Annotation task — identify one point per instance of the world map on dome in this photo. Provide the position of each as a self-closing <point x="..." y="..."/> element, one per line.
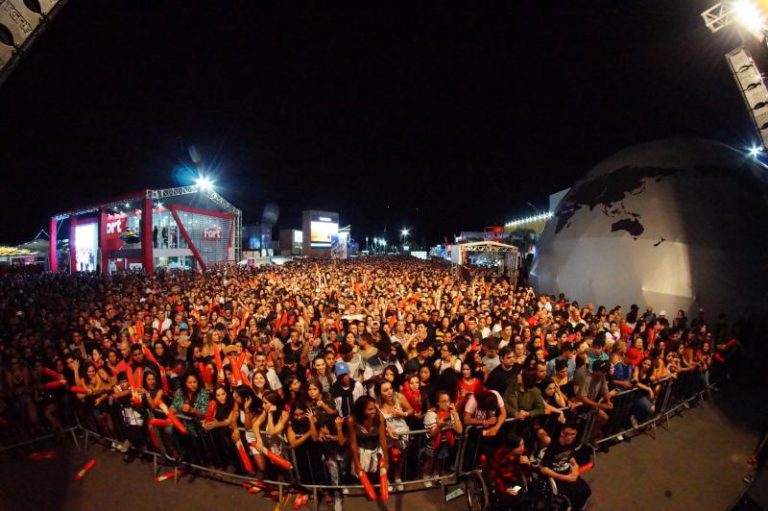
<point x="608" y="192"/>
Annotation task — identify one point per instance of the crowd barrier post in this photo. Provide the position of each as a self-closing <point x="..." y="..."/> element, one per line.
<point x="619" y="419"/>
<point x="584" y="425"/>
<point x="662" y="404"/>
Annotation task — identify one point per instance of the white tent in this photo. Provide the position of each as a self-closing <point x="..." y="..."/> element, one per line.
<point x="510" y="253"/>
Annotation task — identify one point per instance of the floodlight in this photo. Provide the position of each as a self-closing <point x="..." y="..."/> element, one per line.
<point x="749" y="15"/>
<point x="204" y="183"/>
<point x="755" y="151"/>
<point x="405" y="231"/>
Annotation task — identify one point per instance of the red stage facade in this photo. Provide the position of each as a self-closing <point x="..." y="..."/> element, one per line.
<point x="184" y="227"/>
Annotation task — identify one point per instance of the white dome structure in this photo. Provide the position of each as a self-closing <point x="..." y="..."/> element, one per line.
<point x="676" y="224"/>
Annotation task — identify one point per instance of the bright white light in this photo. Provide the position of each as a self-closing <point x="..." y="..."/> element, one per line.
<point x="755" y="151"/>
<point x="749" y="15"/>
<point x="405" y="232"/>
<point x="204" y="183"/>
<point x="384" y="242"/>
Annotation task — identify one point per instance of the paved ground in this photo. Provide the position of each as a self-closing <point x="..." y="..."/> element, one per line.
<point x="697" y="465"/>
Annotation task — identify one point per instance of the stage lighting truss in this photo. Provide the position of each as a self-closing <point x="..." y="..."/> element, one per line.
<point x="752" y="16"/>
<point x="21" y="23"/>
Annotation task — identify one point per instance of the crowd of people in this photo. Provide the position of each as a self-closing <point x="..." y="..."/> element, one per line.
<point x="345" y="370"/>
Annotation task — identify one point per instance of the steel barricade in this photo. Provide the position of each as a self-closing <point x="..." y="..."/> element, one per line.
<point x="585" y="423"/>
<point x="663" y="399"/>
<point x="471" y="477"/>
<point x="619" y="418"/>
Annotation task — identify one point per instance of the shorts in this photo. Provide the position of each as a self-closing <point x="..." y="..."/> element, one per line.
<point x="442" y="451"/>
<point x="369" y="459"/>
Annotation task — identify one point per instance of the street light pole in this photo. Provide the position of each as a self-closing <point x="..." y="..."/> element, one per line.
<point x="403" y="238"/>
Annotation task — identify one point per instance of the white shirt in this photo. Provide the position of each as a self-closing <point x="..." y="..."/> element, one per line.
<point x="471" y="406"/>
<point x="165" y="325"/>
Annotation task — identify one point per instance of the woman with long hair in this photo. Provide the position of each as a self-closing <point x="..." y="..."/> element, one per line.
<point x="417" y="401"/>
<point x="426" y="385"/>
<point x="99" y="384"/>
<point x="303" y="438"/>
<point x="448" y="359"/>
<point x="268" y="427"/>
<point x="191" y="400"/>
<point x="391" y="374"/>
<point x="161" y="353"/>
<point x="295" y="391"/>
<point x="260" y="383"/>
<point x="322" y="373"/>
<point x="319" y="401"/>
<point x="395" y="409"/>
<point x="218" y="426"/>
<point x="468" y="384"/>
<point x="367" y="438"/>
<point x="642" y="378"/>
<point x="703" y="358"/>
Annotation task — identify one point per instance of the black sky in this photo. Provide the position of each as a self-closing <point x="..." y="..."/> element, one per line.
<point x="441" y="118"/>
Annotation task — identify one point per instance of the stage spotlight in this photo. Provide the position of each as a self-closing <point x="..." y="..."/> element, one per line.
<point x="749" y="15"/>
<point x="204" y="183"/>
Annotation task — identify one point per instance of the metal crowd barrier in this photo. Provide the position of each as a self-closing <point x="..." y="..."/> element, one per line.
<point x="665" y="405"/>
<point x="464" y="466"/>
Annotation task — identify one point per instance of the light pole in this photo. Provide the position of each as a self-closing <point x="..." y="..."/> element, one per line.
<point x="403" y="238"/>
<point x="535" y="209"/>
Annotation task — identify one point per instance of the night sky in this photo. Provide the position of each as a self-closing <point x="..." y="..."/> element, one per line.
<point x="437" y="118"/>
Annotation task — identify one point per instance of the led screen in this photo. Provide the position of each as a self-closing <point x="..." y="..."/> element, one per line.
<point x="321" y="233"/>
<point x="86" y="246"/>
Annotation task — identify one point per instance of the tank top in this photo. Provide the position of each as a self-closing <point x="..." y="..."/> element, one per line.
<point x="367" y="439"/>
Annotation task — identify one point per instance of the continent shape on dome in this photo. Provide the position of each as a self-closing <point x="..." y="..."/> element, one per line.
<point x="676" y="224"/>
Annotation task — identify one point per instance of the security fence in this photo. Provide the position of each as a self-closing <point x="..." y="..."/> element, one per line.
<point x="324" y="469"/>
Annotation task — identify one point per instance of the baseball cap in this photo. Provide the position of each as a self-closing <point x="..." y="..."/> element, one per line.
<point x="601" y="365"/>
<point x="341" y="368"/>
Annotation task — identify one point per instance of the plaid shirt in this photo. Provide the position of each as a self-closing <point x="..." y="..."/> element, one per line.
<point x="505" y="471"/>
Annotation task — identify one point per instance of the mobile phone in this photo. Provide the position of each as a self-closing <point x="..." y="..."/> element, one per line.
<point x="516" y="489"/>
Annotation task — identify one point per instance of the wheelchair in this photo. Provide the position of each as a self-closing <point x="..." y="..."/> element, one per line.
<point x="539" y="493"/>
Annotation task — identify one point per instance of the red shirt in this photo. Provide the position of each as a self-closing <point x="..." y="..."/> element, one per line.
<point x="504" y="471"/>
<point x="634" y="356"/>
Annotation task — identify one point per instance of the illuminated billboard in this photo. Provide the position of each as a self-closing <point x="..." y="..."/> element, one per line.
<point x="322" y="230"/>
<point x="86" y="246"/>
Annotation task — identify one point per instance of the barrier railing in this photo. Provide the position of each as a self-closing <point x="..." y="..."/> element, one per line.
<point x="663" y="406"/>
<point x="208" y="454"/>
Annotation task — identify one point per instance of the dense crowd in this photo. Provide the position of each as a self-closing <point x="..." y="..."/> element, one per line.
<point x="343" y="369"/>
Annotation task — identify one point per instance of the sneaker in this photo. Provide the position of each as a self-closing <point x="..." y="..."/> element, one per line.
<point x="428" y="484"/>
<point x="337" y="506"/>
<point x="633" y="420"/>
<point x="399" y="484"/>
<point x="345" y="491"/>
